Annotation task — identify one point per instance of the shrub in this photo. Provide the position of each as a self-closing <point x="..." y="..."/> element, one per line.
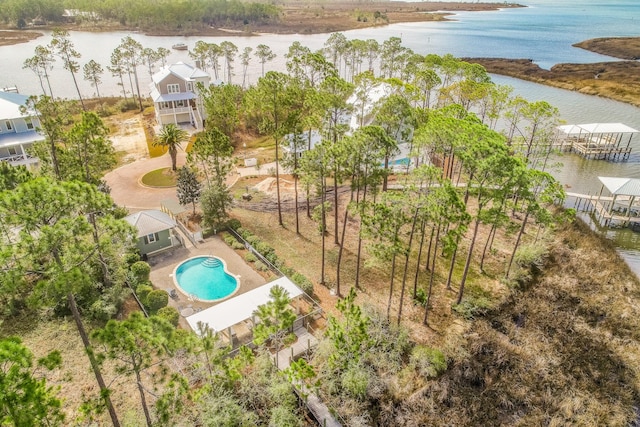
<point x="237" y="245"/>
<point x="250" y="257"/>
<point x="229" y="240"/>
<point x="143" y="291"/>
<point x="170" y="314"/>
<point x="234" y="224"/>
<point x="102" y="310"/>
<point x="253" y="240"/>
<point x="260" y="266"/>
<point x="302" y="282"/>
<point x="141" y="271"/>
<point x="156" y="300"/>
<point x="131" y="258"/>
<point x="531" y="255"/>
<point x="429" y="362"/>
<point x="355" y="382"/>
<point x="473" y="306"/>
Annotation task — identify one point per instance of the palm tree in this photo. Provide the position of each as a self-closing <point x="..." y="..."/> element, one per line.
<point x="171" y="136"/>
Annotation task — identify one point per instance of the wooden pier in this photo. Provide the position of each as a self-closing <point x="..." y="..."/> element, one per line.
<point x="604" y="213"/>
<point x="305" y="342"/>
<point x="598" y="141"/>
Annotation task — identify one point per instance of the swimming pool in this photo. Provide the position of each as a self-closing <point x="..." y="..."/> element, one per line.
<point x="205" y="278"/>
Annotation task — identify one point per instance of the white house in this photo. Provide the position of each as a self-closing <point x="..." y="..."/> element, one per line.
<point x="362" y="111"/>
<point x="18" y="131"/>
<point x="175" y="94"/>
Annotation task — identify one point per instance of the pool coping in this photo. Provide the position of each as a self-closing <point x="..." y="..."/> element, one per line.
<point x="195" y="298"/>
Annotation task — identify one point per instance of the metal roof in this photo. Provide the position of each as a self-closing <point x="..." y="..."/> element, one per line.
<point x="180" y="69"/>
<point x="150" y="221"/>
<point x="621" y="186"/>
<point x="590" y="128"/>
<point x="10" y="104"/>
<point x="169" y="97"/>
<point x="240" y="308"/>
<point x="11" y="139"/>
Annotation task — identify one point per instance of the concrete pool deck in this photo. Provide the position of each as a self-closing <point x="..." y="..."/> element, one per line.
<point x="163" y="265"/>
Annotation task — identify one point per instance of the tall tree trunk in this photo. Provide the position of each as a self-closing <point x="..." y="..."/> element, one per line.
<point x="340" y="250"/>
<point x="406" y="264"/>
<point x="515" y="248"/>
<point x="323" y="228"/>
<point x="393" y="273"/>
<point x="453" y="263"/>
<point x="295" y="189"/>
<point x="135" y="75"/>
<point x="431" y="279"/>
<point x="278" y="186"/>
<point x="415" y="279"/>
<point x="75" y="82"/>
<point x="335" y="207"/>
<point x="469" y="255"/>
<point x="359" y="255"/>
<point x="104" y="391"/>
<point x="143" y="399"/>
<point x="486" y="246"/>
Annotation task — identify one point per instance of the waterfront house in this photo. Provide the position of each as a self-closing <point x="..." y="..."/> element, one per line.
<point x="155" y="231"/>
<point x="174" y="92"/>
<point x="18" y="130"/>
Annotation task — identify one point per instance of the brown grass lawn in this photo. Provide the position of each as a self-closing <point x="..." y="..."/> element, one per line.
<point x="303" y="253"/>
<point x="75" y="378"/>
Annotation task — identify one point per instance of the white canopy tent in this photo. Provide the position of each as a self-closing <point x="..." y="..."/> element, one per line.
<point x="238" y="309"/>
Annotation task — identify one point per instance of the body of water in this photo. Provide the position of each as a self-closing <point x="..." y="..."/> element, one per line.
<point x="544" y="31"/>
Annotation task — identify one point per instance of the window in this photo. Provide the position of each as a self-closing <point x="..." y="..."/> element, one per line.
<point x="180" y="103"/>
<point x="8" y="124"/>
<point x="12" y="151"/>
<point x="190" y="86"/>
<point x="165" y="105"/>
<point x="29" y="123"/>
<point x="173" y="88"/>
<point x="150" y="238"/>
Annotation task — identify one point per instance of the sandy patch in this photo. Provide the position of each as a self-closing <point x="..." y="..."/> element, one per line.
<point x="268" y="186"/>
<point x="131" y="139"/>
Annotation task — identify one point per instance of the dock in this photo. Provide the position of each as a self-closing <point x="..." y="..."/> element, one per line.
<point x="598" y="141"/>
<point x="604" y="213"/>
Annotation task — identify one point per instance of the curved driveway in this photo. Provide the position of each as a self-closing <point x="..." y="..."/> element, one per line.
<point x="127" y="189"/>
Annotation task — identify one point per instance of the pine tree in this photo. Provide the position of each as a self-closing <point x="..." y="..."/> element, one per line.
<point x="188" y="187"/>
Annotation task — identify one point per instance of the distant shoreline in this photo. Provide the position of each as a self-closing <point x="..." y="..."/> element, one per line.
<point x="299" y="17"/>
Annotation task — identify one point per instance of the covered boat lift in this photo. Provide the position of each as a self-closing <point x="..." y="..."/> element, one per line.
<point x="622" y="203"/>
<point x="602" y="141"/>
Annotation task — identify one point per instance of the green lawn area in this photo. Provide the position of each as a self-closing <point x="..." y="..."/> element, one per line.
<point x="163" y="177"/>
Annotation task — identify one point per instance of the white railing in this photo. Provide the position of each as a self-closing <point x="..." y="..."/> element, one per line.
<point x="179" y="110"/>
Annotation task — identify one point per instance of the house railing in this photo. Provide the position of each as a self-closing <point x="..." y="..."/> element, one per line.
<point x="177" y="110"/>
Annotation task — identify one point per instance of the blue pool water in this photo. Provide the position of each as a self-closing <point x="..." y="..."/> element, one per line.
<point x="205" y="278"/>
<point x="400" y="162"/>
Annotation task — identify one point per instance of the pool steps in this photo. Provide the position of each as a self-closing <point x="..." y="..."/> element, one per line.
<point x="211" y="262"/>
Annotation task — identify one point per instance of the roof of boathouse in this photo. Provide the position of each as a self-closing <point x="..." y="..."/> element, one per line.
<point x="591" y="128"/>
<point x="621" y="186"/>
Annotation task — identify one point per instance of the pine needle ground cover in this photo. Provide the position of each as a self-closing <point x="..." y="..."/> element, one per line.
<point x="558" y="349"/>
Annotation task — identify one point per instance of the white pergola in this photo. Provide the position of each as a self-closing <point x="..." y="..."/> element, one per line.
<point x="239" y="309"/>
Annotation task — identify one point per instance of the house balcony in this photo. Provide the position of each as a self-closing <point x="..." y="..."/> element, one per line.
<point x="177" y="110"/>
<point x="19" y="159"/>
